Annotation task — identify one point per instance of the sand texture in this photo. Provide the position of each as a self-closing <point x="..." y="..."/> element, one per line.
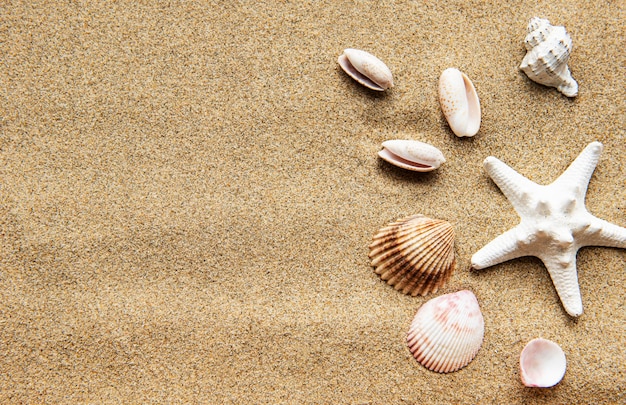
<point x="188" y="191"/>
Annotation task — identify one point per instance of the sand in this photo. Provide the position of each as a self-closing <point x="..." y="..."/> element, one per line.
<point x="188" y="191"/>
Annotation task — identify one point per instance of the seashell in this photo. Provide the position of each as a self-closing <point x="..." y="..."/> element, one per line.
<point x="366" y="69"/>
<point x="412" y="155"/>
<point x="415" y="255"/>
<point x="447" y="332"/>
<point x="549" y="48"/>
<point x="542" y="363"/>
<point x="459" y="102"/>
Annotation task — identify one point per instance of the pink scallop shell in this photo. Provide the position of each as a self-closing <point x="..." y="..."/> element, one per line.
<point x="447" y="332"/>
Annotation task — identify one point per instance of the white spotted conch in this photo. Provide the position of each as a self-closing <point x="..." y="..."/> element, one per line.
<point x="549" y="48"/>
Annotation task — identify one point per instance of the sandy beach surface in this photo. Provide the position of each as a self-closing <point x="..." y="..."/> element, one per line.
<point x="188" y="191"/>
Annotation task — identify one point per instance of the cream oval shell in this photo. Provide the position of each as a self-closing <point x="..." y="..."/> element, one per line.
<point x="447" y="332"/>
<point x="412" y="155"/>
<point x="366" y="69"/>
<point x="542" y="363"/>
<point x="459" y="102"/>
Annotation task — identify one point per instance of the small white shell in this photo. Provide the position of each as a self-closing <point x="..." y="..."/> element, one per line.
<point x="447" y="332"/>
<point x="549" y="48"/>
<point x="366" y="69"/>
<point x="412" y="155"/>
<point x="459" y="102"/>
<point x="542" y="363"/>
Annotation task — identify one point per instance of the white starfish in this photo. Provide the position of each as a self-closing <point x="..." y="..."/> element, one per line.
<point x="554" y="223"/>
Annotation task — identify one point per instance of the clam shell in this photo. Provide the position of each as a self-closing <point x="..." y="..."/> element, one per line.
<point x="366" y="69"/>
<point x="549" y="49"/>
<point x="459" y="102"/>
<point x="542" y="363"/>
<point x="447" y="332"/>
<point x="412" y="155"/>
<point x="415" y="255"/>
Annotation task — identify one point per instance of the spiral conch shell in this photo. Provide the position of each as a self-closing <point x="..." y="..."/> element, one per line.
<point x="447" y="332"/>
<point x="412" y="155"/>
<point x="459" y="102"/>
<point x="415" y="255"/>
<point x="549" y="48"/>
<point x="366" y="69"/>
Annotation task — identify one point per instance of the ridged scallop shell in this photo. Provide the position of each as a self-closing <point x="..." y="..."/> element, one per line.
<point x="549" y="48"/>
<point x="412" y="155"/>
<point x="415" y="255"/>
<point x="542" y="363"/>
<point x="459" y="102"/>
<point x="366" y="69"/>
<point x="447" y="332"/>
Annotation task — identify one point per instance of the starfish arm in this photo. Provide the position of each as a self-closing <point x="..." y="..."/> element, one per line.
<point x="599" y="232"/>
<point x="562" y="269"/>
<point x="517" y="188"/>
<point x="504" y="247"/>
<point x="579" y="172"/>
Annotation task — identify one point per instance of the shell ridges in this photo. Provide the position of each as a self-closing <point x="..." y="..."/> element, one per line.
<point x="447" y="332"/>
<point x="415" y="255"/>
